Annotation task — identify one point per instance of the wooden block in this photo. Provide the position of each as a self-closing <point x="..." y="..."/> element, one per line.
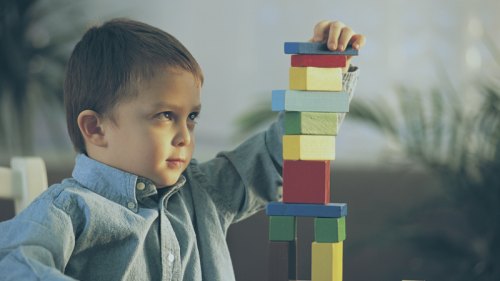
<point x="319" y="60"/>
<point x="282" y="228"/>
<point x="282" y="261"/>
<point x="312" y="101"/>
<point x="329" y="230"/>
<point x="315" y="79"/>
<point x="326" y="261"/>
<point x="308" y="147"/>
<point x="331" y="210"/>
<point x="293" y="260"/>
<point x="311" y="123"/>
<point x="306" y="182"/>
<point x="309" y="48"/>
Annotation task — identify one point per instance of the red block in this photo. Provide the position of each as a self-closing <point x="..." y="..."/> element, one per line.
<point x="319" y="60"/>
<point x="306" y="182"/>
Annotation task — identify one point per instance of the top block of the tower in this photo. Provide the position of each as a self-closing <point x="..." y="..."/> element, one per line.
<point x="316" y="49"/>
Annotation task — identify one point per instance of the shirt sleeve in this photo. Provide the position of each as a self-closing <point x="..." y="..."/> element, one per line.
<point x="36" y="244"/>
<point x="244" y="180"/>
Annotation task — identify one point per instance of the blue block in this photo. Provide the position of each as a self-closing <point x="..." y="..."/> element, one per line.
<point x="308" y="48"/>
<point x="332" y="210"/>
<point x="311" y="101"/>
<point x="291" y="48"/>
<point x="278" y="100"/>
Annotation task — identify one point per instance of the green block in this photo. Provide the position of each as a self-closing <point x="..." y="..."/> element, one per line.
<point x="311" y="123"/>
<point x="282" y="228"/>
<point x="329" y="230"/>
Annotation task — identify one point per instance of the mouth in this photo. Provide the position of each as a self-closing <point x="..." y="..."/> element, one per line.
<point x="175" y="162"/>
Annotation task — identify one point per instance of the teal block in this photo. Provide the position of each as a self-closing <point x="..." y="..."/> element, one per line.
<point x="282" y="228"/>
<point x="312" y="101"/>
<point x="329" y="230"/>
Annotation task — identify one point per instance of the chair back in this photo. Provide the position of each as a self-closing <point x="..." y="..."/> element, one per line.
<point x="23" y="181"/>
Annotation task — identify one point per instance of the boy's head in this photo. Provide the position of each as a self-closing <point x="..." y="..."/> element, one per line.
<point x="131" y="95"/>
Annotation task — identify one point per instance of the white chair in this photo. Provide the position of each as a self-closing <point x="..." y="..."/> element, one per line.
<point x="23" y="181"/>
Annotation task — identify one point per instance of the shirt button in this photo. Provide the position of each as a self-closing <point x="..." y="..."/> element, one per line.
<point x="141" y="186"/>
<point x="131" y="205"/>
<point x="171" y="258"/>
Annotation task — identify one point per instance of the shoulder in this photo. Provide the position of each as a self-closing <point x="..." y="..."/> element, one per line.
<point x="64" y="194"/>
<point x="62" y="203"/>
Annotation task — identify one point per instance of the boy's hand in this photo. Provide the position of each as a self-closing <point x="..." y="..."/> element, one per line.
<point x="338" y="36"/>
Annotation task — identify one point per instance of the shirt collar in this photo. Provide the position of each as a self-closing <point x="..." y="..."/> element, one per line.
<point x="116" y="185"/>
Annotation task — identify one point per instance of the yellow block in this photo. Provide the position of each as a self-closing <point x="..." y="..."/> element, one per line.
<point x="315" y="79"/>
<point x="326" y="261"/>
<point x="308" y="147"/>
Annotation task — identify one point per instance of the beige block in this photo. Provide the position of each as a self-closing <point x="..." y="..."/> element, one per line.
<point x="308" y="147"/>
<point x="316" y="79"/>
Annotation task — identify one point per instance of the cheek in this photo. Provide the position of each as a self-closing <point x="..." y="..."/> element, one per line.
<point x="192" y="144"/>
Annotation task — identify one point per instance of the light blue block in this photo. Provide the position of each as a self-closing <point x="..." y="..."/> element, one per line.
<point x="308" y="48"/>
<point x="312" y="101"/>
<point x="278" y="100"/>
<point x="332" y="210"/>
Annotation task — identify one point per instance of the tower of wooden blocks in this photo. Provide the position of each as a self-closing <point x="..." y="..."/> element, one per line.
<point x="311" y="123"/>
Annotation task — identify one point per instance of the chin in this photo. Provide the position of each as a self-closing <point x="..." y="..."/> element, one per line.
<point x="164" y="182"/>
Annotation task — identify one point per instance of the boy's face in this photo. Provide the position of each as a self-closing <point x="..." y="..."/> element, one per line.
<point x="155" y="133"/>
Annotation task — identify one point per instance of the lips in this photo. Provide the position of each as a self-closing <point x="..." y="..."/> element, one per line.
<point x="176" y="162"/>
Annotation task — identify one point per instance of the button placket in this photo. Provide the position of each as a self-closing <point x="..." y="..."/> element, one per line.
<point x="141" y="186"/>
<point x="131" y="205"/>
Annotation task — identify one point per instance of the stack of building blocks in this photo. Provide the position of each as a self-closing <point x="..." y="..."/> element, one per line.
<point x="311" y="108"/>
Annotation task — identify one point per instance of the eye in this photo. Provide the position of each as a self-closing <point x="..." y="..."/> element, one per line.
<point x="193" y="116"/>
<point x="166" y="115"/>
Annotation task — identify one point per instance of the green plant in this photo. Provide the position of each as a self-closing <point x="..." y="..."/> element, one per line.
<point x="458" y="232"/>
<point x="35" y="40"/>
<point x="250" y="121"/>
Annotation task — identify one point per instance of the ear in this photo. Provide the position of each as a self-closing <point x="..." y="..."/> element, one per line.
<point x="91" y="126"/>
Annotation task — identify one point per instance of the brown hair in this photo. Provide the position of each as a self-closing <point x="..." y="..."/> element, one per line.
<point x="111" y="63"/>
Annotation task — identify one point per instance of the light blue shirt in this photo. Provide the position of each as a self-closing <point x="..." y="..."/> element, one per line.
<point x="107" y="224"/>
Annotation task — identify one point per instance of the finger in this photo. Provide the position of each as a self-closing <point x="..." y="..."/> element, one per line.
<point x="319" y="31"/>
<point x="345" y="36"/>
<point x="357" y="41"/>
<point x="335" y="29"/>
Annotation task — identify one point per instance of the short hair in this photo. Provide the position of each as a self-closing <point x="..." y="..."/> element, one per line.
<point x="110" y="65"/>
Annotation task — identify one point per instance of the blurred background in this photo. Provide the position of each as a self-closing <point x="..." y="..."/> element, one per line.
<point x="417" y="156"/>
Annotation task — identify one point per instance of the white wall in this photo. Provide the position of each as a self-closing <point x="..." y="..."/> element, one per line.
<point x="239" y="45"/>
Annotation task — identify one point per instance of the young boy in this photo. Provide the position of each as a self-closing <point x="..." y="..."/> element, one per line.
<point x="138" y="207"/>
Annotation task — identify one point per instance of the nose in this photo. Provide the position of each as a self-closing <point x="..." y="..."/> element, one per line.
<point x="182" y="136"/>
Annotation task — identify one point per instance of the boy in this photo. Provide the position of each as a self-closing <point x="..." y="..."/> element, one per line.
<point x="138" y="207"/>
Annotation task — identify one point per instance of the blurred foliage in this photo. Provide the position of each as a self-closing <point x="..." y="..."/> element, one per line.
<point x="250" y="121"/>
<point x="36" y="39"/>
<point x="459" y="142"/>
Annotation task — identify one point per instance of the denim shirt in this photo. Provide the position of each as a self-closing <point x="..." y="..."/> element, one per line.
<point x="107" y="224"/>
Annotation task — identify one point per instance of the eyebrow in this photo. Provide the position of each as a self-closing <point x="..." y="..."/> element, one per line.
<point x="163" y="104"/>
